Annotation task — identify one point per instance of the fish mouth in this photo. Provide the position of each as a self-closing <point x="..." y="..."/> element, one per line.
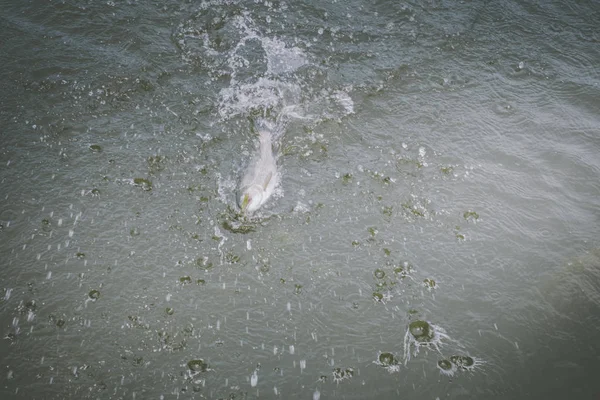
<point x="245" y="202"/>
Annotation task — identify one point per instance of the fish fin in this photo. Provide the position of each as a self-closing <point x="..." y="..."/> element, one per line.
<point x="267" y="180"/>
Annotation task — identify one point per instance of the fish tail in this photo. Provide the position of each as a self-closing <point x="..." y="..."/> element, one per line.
<point x="265" y="137"/>
<point x="263" y="124"/>
<point x="271" y="128"/>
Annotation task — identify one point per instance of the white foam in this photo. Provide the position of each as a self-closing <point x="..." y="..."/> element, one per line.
<point x="282" y="59"/>
<point x="344" y="100"/>
<point x="267" y="91"/>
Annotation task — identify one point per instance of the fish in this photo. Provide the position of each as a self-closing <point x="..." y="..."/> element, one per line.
<point x="261" y="177"/>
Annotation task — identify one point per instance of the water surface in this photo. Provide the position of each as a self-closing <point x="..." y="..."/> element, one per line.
<point x="435" y="233"/>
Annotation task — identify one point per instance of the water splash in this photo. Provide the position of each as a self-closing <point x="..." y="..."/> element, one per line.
<point x="388" y="361"/>
<point x="422" y="334"/>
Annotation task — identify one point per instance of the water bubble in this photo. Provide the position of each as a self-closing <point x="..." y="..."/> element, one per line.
<point x="30" y="306"/>
<point x="203" y="263"/>
<point x="446" y="367"/>
<point x="429" y="283"/>
<point x="340" y="374"/>
<point x="197" y="366"/>
<point x="387" y="359"/>
<point x="145" y="184"/>
<point x="463" y="362"/>
<point x="379" y="273"/>
<point x="421" y="331"/>
<point x="46" y="226"/>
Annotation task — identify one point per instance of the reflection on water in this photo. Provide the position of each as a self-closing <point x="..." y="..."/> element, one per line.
<point x="433" y="234"/>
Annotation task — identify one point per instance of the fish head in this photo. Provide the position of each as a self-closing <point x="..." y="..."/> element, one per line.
<point x="251" y="199"/>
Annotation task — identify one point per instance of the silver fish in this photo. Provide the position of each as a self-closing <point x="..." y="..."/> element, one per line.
<point x="261" y="178"/>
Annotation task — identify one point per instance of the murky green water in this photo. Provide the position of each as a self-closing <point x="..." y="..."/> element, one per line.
<point x="434" y="235"/>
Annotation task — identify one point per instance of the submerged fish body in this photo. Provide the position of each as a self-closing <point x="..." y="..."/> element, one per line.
<point x="261" y="178"/>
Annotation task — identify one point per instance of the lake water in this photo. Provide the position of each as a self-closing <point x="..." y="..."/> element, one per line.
<point x="435" y="235"/>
